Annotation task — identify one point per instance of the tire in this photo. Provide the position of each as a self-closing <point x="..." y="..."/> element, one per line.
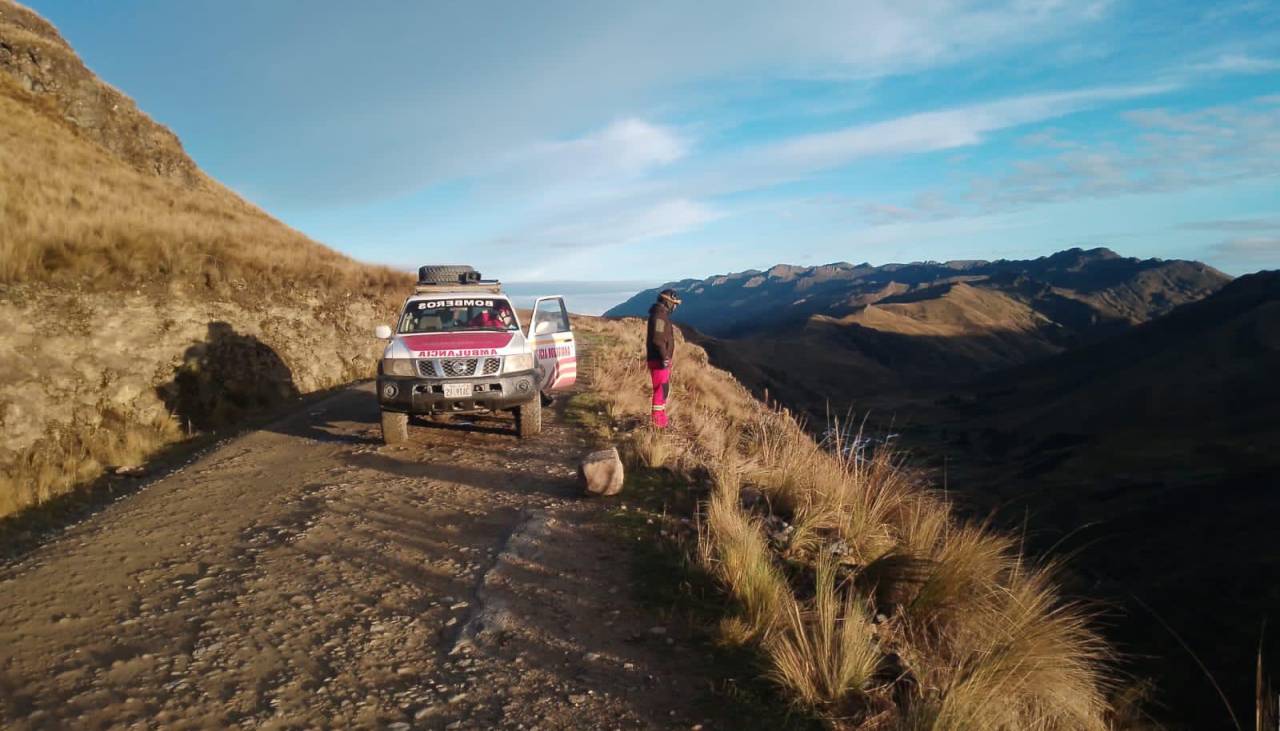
<point x="395" y="427"/>
<point x="529" y="419"/>
<point x="451" y="274"/>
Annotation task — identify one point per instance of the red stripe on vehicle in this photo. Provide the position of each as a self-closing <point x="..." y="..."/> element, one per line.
<point x="458" y="341"/>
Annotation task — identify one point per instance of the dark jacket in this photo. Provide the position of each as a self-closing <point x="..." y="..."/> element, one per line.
<point x="661" y="340"/>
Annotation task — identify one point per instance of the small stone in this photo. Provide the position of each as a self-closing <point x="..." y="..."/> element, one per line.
<point x="601" y="472"/>
<point x="578" y="699"/>
<point x="657" y="630"/>
<point x="457" y="698"/>
<point x="398" y="726"/>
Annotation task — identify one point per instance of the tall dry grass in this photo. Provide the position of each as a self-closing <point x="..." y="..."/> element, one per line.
<point x="828" y="652"/>
<point x="76" y="215"/>
<point x="868" y="600"/>
<point x="78" y="453"/>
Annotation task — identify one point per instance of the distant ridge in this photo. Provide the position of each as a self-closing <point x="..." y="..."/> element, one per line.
<point x="1079" y="290"/>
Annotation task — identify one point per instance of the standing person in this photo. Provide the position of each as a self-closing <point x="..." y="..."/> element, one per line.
<point x="660" y="345"/>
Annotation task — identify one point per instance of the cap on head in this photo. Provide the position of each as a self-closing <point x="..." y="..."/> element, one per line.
<point x="669" y="296"/>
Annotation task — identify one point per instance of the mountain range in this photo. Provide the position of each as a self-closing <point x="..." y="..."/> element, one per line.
<point x="870" y="331"/>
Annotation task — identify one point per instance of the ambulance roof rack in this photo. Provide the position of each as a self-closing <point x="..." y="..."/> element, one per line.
<point x="488" y="286"/>
<point x="434" y="278"/>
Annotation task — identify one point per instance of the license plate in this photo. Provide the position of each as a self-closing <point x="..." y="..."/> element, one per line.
<point x="457" y="390"/>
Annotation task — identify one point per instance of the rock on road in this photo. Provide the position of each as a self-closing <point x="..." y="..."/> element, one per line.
<point x="306" y="576"/>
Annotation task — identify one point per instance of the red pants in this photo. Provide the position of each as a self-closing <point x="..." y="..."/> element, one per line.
<point x="661" y="378"/>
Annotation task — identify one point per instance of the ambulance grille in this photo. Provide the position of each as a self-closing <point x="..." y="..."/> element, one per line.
<point x="458" y="367"/>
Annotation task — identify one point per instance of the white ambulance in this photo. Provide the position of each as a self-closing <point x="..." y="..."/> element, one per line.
<point x="458" y="348"/>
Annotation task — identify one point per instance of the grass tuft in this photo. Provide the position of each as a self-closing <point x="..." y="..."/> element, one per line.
<point x="825" y="652"/>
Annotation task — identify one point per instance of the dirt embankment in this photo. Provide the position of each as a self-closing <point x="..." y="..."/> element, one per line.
<point x="95" y="381"/>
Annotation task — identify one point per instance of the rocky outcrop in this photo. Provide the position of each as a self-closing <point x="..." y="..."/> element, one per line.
<point x="34" y="56"/>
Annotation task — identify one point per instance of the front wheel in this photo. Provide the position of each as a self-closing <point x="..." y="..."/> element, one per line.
<point x="395" y="427"/>
<point x="529" y="418"/>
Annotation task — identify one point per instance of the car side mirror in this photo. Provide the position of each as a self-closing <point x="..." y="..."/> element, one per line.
<point x="382" y="332"/>
<point x="544" y="327"/>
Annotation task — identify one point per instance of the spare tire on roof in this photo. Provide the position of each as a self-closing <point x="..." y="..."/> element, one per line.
<point x="450" y="274"/>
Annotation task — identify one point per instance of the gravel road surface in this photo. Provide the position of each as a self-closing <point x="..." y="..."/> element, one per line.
<point x="306" y="576"/>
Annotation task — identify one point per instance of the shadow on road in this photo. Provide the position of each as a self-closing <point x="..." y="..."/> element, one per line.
<point x="480" y="423"/>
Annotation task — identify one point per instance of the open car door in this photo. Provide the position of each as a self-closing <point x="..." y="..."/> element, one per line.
<point x="556" y="356"/>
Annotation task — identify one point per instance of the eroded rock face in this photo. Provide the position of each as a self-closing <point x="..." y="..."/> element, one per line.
<point x="104" y="379"/>
<point x="601" y="472"/>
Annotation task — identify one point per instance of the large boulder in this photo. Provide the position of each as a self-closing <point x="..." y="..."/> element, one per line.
<point x="601" y="472"/>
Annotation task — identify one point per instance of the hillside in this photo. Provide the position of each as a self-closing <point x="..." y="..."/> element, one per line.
<point x="1152" y="458"/>
<point x="145" y="300"/>
<point x="1207" y="366"/>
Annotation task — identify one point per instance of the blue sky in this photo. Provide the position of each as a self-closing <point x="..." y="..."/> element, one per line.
<point x="663" y="140"/>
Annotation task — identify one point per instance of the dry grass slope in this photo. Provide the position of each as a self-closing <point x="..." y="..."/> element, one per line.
<point x="119" y="259"/>
<point x="94" y="192"/>
<point x="77" y="216"/>
<point x="874" y="605"/>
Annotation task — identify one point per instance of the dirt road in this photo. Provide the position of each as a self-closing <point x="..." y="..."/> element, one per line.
<point x="306" y="576"/>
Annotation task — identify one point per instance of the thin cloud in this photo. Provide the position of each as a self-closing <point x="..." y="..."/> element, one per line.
<point x="619" y="226"/>
<point x="1250" y="250"/>
<point x="801" y="156"/>
<point x="625" y="148"/>
<point x="945" y="129"/>
<point x="1238" y="63"/>
<point x="1169" y="151"/>
<point x="1233" y="224"/>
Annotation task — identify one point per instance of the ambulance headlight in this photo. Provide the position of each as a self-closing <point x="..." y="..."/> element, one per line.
<point x="397" y="367"/>
<point x="519" y="362"/>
